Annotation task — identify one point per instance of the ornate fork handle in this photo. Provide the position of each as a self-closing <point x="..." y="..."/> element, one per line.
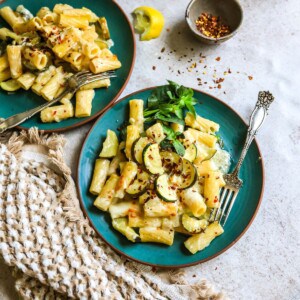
<point x="22" y="117"/>
<point x="256" y="120"/>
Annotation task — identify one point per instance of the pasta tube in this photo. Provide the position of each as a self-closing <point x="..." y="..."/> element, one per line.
<point x="136" y="114"/>
<point x="26" y="80"/>
<point x="201" y="124"/>
<point x="132" y="135"/>
<point x="84" y="103"/>
<point x="105" y="63"/>
<point x="50" y="89"/>
<point x="3" y="62"/>
<point x="194" y="201"/>
<point x="37" y="58"/>
<point x="57" y="113"/>
<point x="15" y="60"/>
<point x="212" y="184"/>
<point x="106" y="195"/>
<point x="42" y="79"/>
<point x="200" y="241"/>
<point x="99" y="176"/>
<point x="96" y="84"/>
<point x="127" y="176"/>
<point x="9" y="16"/>
<point x="4" y="75"/>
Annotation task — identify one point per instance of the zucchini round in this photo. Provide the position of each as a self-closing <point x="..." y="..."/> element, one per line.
<point x="204" y="152"/>
<point x="190" y="152"/>
<point x="140" y="184"/>
<point x="188" y="176"/>
<point x="138" y="147"/>
<point x="193" y="225"/>
<point x="164" y="190"/>
<point x="152" y="159"/>
<point x="171" y="161"/>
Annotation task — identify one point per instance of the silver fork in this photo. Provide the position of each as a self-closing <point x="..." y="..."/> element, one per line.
<point x="229" y="193"/>
<point x="75" y="82"/>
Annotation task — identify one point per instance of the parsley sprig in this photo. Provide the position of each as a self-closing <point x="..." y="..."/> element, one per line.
<point x="167" y="103"/>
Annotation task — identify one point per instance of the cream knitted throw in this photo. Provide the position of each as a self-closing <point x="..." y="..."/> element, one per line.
<point x="54" y="252"/>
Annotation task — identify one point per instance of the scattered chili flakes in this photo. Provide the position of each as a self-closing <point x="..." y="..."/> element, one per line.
<point x="218" y="58"/>
<point x="250" y="77"/>
<point x="219" y="86"/>
<point x="212" y="26"/>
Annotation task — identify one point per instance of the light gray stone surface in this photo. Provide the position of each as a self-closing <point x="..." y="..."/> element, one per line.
<point x="265" y="263"/>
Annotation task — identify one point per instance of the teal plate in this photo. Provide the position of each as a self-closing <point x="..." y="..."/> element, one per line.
<point x="233" y="131"/>
<point x="123" y="37"/>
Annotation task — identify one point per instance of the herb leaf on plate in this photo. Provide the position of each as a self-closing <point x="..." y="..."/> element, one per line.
<point x="172" y="140"/>
<point x="166" y="103"/>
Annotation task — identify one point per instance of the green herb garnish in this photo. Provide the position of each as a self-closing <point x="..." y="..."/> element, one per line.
<point x="171" y="140"/>
<point x="166" y="103"/>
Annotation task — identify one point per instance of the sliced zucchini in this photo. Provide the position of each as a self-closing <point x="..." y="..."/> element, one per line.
<point x="204" y="152"/>
<point x="121" y="224"/>
<point x="190" y="152"/>
<point x="171" y="161"/>
<point x="157" y="235"/>
<point x="138" y="147"/>
<point x="165" y="190"/>
<point x="11" y="85"/>
<point x="193" y="225"/>
<point x="139" y="186"/>
<point x="152" y="159"/>
<point x="156" y="132"/>
<point x="110" y="145"/>
<point x="188" y="176"/>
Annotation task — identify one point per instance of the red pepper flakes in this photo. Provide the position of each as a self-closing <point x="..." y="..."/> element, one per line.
<point x="212" y="26"/>
<point x="218" y="58"/>
<point x="250" y="77"/>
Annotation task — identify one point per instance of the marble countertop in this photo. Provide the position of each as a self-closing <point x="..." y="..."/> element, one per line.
<point x="265" y="262"/>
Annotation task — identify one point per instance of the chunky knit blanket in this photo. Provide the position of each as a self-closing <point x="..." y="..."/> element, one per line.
<point x="53" y="251"/>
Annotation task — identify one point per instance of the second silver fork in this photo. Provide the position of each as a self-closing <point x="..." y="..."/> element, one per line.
<point x="75" y="82"/>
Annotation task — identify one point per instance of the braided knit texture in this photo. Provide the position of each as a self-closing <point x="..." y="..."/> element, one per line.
<point x="45" y="238"/>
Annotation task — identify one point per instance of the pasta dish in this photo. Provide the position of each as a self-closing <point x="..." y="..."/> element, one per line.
<point x="152" y="189"/>
<point x="41" y="52"/>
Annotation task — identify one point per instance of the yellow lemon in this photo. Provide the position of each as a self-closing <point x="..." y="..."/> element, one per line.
<point x="149" y="22"/>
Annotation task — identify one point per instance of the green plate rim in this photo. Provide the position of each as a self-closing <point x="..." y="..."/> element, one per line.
<point x="112" y="102"/>
<point x="157" y="265"/>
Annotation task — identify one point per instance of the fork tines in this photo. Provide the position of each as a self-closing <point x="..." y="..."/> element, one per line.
<point x="227" y="198"/>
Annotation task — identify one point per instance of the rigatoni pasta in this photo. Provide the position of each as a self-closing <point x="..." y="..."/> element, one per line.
<point x="151" y="191"/>
<point x="41" y="50"/>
